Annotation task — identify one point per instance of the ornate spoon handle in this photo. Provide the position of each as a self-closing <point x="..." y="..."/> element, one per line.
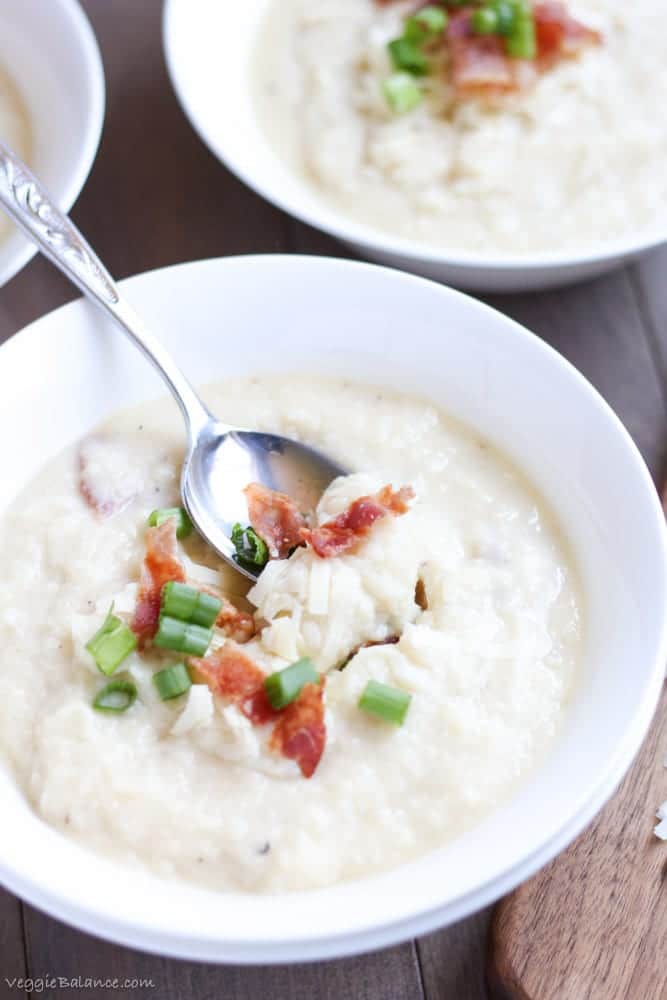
<point x="34" y="211"/>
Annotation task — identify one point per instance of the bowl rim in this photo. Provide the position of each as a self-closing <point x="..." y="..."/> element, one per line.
<point x="348" y="230"/>
<point x="413" y="919"/>
<point x="79" y="27"/>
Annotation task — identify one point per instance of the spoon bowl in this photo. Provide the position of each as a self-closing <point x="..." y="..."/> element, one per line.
<point x="220" y="460"/>
<point x="224" y="460"/>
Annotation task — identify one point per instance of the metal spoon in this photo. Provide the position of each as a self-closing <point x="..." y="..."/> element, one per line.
<point x="220" y="459"/>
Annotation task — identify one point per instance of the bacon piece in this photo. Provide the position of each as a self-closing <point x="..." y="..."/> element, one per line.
<point x="345" y="532"/>
<point x="229" y="672"/>
<point x="300" y="732"/>
<point x="276" y="519"/>
<point x="559" y="35"/>
<point x="259" y="709"/>
<point x="479" y="63"/>
<point x="240" y="626"/>
<point x="233" y="675"/>
<point x="236" y="624"/>
<point x="98" y="485"/>
<point x="161" y="564"/>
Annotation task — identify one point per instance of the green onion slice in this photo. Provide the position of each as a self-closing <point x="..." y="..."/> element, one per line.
<point x="172" y="682"/>
<point x="506" y="14"/>
<point x="426" y="24"/>
<point x="182" y="637"/>
<point x="116" y="696"/>
<point x="387" y="703"/>
<point x="406" y="55"/>
<point x="111" y="644"/>
<point x="251" y="550"/>
<point x="401" y="92"/>
<point x="286" y="685"/>
<point x="162" y="514"/>
<point x="485" y="21"/>
<point x="189" y="604"/>
<point x="521" y="42"/>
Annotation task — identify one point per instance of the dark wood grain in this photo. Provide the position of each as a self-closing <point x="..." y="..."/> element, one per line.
<point x="12" y="954"/>
<point x="389" y="975"/>
<point x="453" y="960"/>
<point x="157" y="197"/>
<point x="649" y="278"/>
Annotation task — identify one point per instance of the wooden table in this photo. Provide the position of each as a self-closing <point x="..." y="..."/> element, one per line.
<point x="157" y="197"/>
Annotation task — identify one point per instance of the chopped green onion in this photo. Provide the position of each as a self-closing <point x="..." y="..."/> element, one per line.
<point x="521" y="43"/>
<point x="506" y="12"/>
<point x="172" y="682"/>
<point x="116" y="696"/>
<point x="425" y="25"/>
<point x="407" y="56"/>
<point x="111" y="644"/>
<point x="402" y="92"/>
<point x="183" y="522"/>
<point x="251" y="550"/>
<point x="182" y="637"/>
<point x="387" y="703"/>
<point x="286" y="685"/>
<point x="485" y="21"/>
<point x="190" y="605"/>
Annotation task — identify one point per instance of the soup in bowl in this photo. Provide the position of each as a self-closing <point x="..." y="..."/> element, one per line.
<point x="442" y="671"/>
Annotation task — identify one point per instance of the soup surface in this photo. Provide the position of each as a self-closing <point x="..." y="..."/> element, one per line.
<point x="463" y="600"/>
<point x="566" y="164"/>
<point x="15" y="132"/>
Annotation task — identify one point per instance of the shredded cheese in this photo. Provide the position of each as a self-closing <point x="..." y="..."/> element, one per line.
<point x="197" y="712"/>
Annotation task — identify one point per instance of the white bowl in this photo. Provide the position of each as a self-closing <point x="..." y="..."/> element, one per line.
<point x="51" y="54"/>
<point x="500" y="380"/>
<point x="216" y="95"/>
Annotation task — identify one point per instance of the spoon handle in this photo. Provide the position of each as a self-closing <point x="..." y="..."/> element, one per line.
<point x="34" y="211"/>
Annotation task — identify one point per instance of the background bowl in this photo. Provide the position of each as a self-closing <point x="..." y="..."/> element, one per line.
<point x="513" y="390"/>
<point x="51" y="54"/>
<point x="230" y="128"/>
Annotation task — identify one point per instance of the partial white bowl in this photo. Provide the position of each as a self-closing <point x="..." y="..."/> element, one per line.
<point x="390" y="329"/>
<point x="217" y="97"/>
<point x="51" y="54"/>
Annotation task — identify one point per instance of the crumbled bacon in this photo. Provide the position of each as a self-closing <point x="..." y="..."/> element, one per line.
<point x="300" y="732"/>
<point x="240" y="626"/>
<point x="236" y="624"/>
<point x="421" y="597"/>
<point x="103" y="500"/>
<point x="258" y="708"/>
<point x="479" y="63"/>
<point x="276" y="519"/>
<point x="229" y="672"/>
<point x="233" y="675"/>
<point x="345" y="532"/>
<point x="161" y="564"/>
<point x="559" y="35"/>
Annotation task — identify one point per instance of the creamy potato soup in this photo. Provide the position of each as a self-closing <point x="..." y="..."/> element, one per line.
<point x="451" y="139"/>
<point x="15" y="131"/>
<point x="401" y="665"/>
